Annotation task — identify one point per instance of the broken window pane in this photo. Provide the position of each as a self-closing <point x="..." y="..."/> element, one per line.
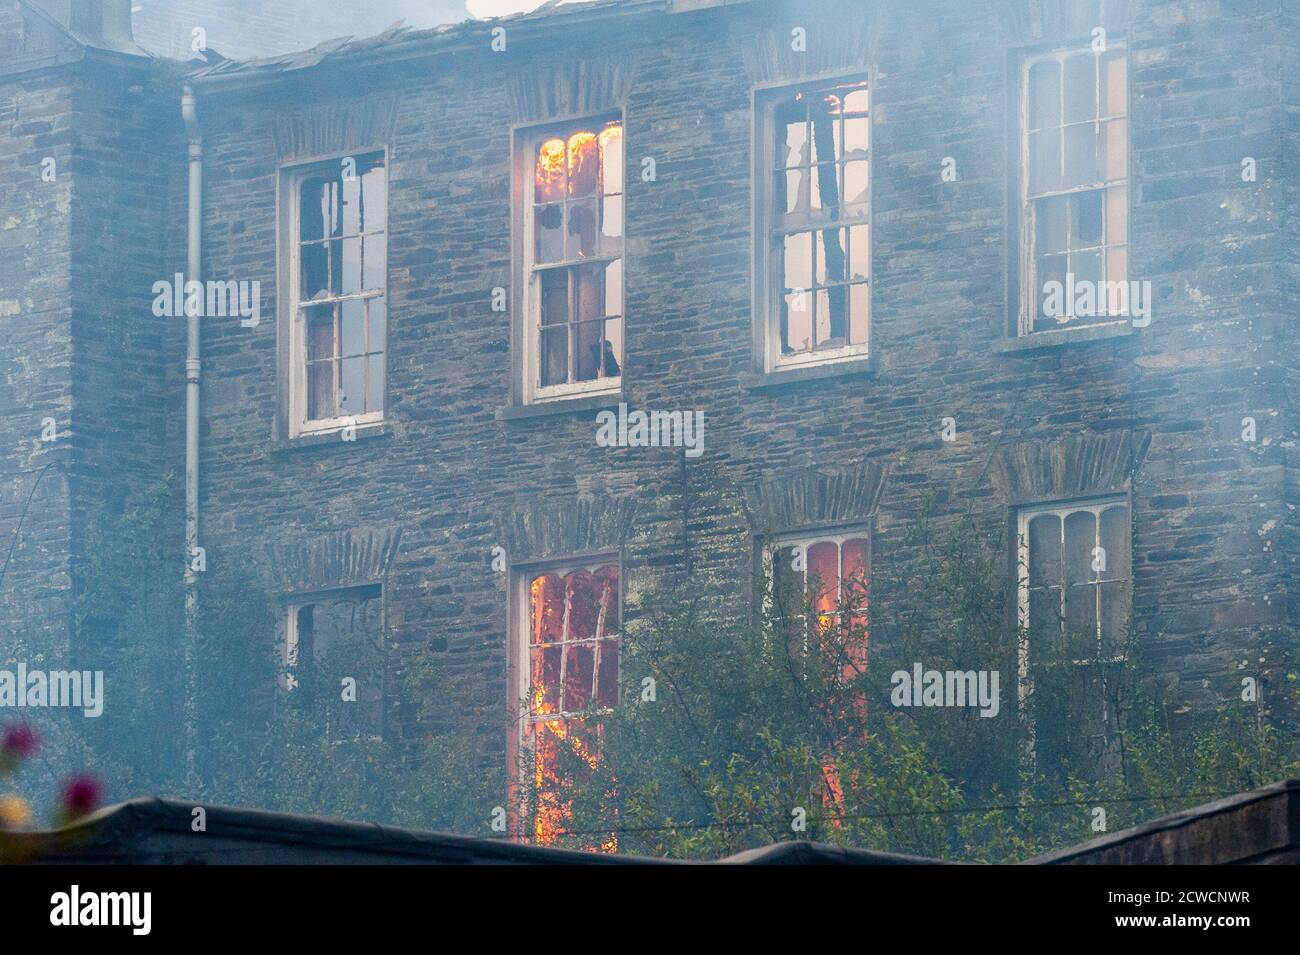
<point x="797" y="317"/>
<point x="581" y="239"/>
<point x="860" y="252"/>
<point x="793" y="194"/>
<point x="549" y="223"/>
<point x="319" y="322"/>
<point x="333" y="637"/>
<point x="857" y="137"/>
<point x="837" y="309"/>
<point x="313" y="210"/>
<point x="554" y="355"/>
<point x="573" y="664"/>
<point x="822" y="127"/>
<point x="825" y="186"/>
<point x="584" y="164"/>
<point x="792" y="129"/>
<point x="857" y="186"/>
<point x="817" y="309"/>
<point x="374" y="194"/>
<point x="1085" y="219"/>
<point x="313" y="271"/>
<point x="798" y="260"/>
<point x="549" y="171"/>
<point x="342" y="253"/>
<point x="611" y="159"/>
<point x="856" y="98"/>
<point x="351" y="206"/>
<point x="589" y="321"/>
<point x="578" y="184"/>
<point x="821" y="317"/>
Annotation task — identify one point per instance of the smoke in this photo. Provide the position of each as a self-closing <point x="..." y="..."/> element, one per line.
<point x="483" y="9"/>
<point x="374" y="16"/>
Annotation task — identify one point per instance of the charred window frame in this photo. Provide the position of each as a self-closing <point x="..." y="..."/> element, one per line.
<point x="565" y="643"/>
<point x="1073" y="178"/>
<point x="812" y="229"/>
<point x="840" y="562"/>
<point x="569" y="257"/>
<point x="1074" y="594"/>
<point x="336" y="633"/>
<point x="334" y="227"/>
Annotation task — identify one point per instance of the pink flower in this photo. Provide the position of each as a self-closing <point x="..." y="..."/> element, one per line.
<point x="19" y="741"/>
<point x="81" y="795"/>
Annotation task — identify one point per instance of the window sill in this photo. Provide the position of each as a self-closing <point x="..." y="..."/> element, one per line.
<point x="757" y="381"/>
<point x="320" y="439"/>
<point x="1082" y="335"/>
<point x="575" y="405"/>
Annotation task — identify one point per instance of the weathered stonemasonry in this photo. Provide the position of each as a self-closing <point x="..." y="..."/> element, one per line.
<point x="460" y="466"/>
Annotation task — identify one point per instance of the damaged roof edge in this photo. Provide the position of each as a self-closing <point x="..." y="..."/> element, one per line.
<point x="150" y="828"/>
<point x="1287" y="789"/>
<point x="402" y="44"/>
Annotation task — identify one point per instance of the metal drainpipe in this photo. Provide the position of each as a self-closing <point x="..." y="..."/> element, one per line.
<point x="194" y="261"/>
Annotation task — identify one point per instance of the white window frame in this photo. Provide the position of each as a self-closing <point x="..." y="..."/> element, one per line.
<point x="1030" y="291"/>
<point x="522" y="624"/>
<point x="527" y="139"/>
<point x="806" y="539"/>
<point x="520" y="668"/>
<point x="1062" y="509"/>
<point x="768" y="273"/>
<point x="291" y="177"/>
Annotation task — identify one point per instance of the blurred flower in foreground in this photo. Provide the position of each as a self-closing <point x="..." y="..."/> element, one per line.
<point x="18" y="743"/>
<point x="14" y="813"/>
<point x="81" y="796"/>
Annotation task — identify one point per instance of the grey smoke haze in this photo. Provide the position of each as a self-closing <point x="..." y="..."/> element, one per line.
<point x="253" y="28"/>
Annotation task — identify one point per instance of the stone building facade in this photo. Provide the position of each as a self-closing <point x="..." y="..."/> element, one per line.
<point x="489" y="313"/>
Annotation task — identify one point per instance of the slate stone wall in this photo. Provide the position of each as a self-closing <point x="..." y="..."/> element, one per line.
<point x="1156" y="414"/>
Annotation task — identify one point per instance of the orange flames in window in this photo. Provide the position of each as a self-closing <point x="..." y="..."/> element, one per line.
<point x="579" y="156"/>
